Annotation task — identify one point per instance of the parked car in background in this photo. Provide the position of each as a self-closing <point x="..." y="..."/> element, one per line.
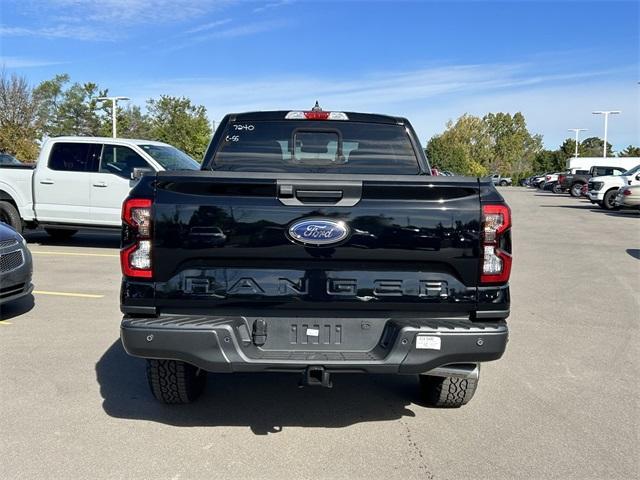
<point x="15" y="266"/>
<point x="575" y="181"/>
<point x="564" y="181"/>
<point x="536" y="180"/>
<point x="628" y="197"/>
<point x="603" y="190"/>
<point x="550" y="181"/>
<point x="81" y="182"/>
<point x="497" y="179"/>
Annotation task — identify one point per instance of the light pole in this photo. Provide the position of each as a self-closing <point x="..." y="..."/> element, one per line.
<point x="114" y="104"/>
<point x="577" y="130"/>
<point x="606" y="114"/>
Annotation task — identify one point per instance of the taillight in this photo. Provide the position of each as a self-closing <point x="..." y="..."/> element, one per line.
<point x="135" y="255"/>
<point x="626" y="192"/>
<point x="548" y="177"/>
<point x="496" y="244"/>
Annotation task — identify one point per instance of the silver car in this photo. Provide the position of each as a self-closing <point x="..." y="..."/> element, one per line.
<point x="628" y="197"/>
<point x="16" y="266"/>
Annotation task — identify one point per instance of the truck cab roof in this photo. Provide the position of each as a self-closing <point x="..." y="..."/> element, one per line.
<point x="121" y="141"/>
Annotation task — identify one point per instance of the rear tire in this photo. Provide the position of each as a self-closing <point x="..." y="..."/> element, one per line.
<point x="60" y="233"/>
<point x="557" y="188"/>
<point x="175" y="382"/>
<point x="576" y="190"/>
<point x="503" y="183"/>
<point x="447" y="392"/>
<point x="609" y="198"/>
<point x="10" y="215"/>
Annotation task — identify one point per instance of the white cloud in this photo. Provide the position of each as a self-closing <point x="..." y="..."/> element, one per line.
<point x="104" y="20"/>
<point x="272" y="5"/>
<point x="135" y="12"/>
<point x="230" y="32"/>
<point x="208" y="26"/>
<point x="24" y="62"/>
<point x="248" y="29"/>
<point x="75" y="32"/>
<point x="429" y="97"/>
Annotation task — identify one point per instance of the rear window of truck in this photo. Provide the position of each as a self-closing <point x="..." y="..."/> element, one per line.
<point x="316" y="147"/>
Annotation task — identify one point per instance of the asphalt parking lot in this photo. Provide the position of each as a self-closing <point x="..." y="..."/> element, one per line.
<point x="562" y="403"/>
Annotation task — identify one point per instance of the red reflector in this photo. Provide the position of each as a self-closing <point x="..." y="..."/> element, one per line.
<point x="316" y="115"/>
<point x="626" y="192"/>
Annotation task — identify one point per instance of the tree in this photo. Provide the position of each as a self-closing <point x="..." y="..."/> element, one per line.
<point x="549" y="161"/>
<point x="49" y="95"/>
<point x="70" y="110"/>
<point x="498" y="142"/>
<point x="592" y="147"/>
<point x="131" y="123"/>
<point x="630" y="151"/>
<point x="177" y="121"/>
<point x="463" y="147"/>
<point x="18" y="118"/>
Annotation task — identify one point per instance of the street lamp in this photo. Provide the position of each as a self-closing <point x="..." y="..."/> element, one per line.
<point x="606" y="114"/>
<point x="114" y="104"/>
<point x="577" y="130"/>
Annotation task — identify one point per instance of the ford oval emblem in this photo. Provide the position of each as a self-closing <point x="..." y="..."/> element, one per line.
<point x="319" y="231"/>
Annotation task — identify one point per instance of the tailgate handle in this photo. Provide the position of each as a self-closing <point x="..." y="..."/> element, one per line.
<point x="320" y="194"/>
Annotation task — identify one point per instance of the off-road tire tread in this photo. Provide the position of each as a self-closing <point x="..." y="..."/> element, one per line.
<point x="174" y="382"/>
<point x="447" y="392"/>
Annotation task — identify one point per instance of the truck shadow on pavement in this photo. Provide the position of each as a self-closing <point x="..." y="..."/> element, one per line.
<point x="16" y="307"/>
<point x="84" y="238"/>
<point x="266" y="403"/>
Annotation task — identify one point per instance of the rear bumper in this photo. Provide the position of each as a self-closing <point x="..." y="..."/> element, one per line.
<point x="372" y="345"/>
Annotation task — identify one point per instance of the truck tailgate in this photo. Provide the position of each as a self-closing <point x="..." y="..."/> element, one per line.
<point x="223" y="240"/>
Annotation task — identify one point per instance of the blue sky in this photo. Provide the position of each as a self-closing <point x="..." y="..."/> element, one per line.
<point x="430" y="61"/>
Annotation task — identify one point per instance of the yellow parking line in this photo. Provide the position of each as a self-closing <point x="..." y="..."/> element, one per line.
<point x="45" y="252"/>
<point x="67" y="294"/>
<point x="4" y="322"/>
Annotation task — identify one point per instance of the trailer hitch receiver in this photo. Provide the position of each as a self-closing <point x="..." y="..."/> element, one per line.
<point x="316" y="376"/>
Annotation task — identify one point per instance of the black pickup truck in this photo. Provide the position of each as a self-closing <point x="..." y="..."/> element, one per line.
<point x="315" y="242"/>
<point x="574" y="181"/>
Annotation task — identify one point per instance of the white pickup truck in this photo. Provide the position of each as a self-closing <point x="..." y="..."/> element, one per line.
<point x="604" y="190"/>
<point x="81" y="182"/>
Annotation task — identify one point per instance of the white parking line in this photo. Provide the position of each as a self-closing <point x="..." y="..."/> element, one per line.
<point x="67" y="294"/>
<point x="46" y="252"/>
